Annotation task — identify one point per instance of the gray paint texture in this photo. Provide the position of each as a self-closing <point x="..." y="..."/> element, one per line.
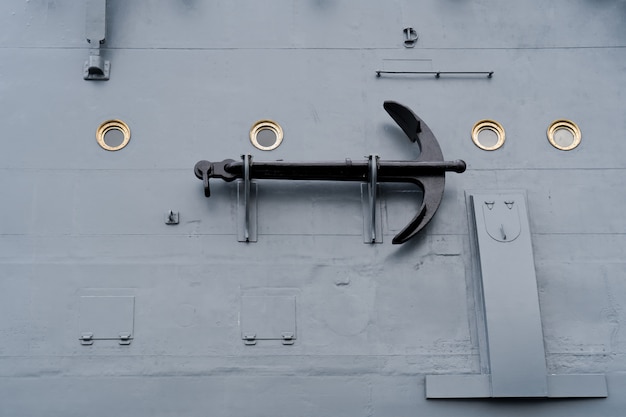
<point x="190" y="78"/>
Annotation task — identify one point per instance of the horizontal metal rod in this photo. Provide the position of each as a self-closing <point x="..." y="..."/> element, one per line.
<point x="388" y="171"/>
<point x="437" y="74"/>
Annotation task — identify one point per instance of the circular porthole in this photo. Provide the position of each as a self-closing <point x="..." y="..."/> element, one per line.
<point x="488" y="135"/>
<point x="564" y="135"/>
<point x="113" y="135"/>
<point x="266" y="135"/>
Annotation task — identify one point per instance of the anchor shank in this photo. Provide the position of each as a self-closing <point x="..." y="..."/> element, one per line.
<point x="389" y="171"/>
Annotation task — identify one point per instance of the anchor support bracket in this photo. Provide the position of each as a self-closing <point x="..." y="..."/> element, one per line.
<point x="372" y="229"/>
<point x="246" y="205"/>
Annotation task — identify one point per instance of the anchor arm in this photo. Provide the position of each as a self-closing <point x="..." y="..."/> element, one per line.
<point x="405" y="118"/>
<point x="432" y="189"/>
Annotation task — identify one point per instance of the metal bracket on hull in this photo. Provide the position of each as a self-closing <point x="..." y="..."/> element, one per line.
<point x="410" y="37"/>
<point x="246" y="205"/>
<point x="372" y="228"/>
<point x="427" y="172"/>
<point x="96" y="68"/>
<point x="172" y="217"/>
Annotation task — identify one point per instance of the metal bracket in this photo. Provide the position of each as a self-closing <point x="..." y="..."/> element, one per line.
<point x="249" y="339"/>
<point x="96" y="68"/>
<point x="372" y="229"/>
<point x="86" y="339"/>
<point x="246" y="204"/>
<point x="371" y="186"/>
<point x="125" y="338"/>
<point x="410" y="37"/>
<point x="247" y="159"/>
<point x="288" y="338"/>
<point x="171" y="217"/>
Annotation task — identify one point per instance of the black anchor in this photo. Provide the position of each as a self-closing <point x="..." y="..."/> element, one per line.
<point x="427" y="172"/>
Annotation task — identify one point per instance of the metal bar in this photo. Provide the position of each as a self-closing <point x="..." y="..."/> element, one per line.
<point x="388" y="171"/>
<point x="372" y="184"/>
<point x="365" y="209"/>
<point x="437" y="74"/>
<point x="96" y="68"/>
<point x="241" y="212"/>
<point x="246" y="181"/>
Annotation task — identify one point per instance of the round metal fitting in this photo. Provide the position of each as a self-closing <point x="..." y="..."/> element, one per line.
<point x="564" y="134"/>
<point x="488" y="135"/>
<point x="108" y="126"/>
<point x="262" y="127"/>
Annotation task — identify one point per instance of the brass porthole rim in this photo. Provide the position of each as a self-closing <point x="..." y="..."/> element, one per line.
<point x="568" y="125"/>
<point x="266" y="124"/>
<point x="493" y="126"/>
<point x="109" y="125"/>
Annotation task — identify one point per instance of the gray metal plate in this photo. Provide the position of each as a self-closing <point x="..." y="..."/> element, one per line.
<point x="268" y="317"/>
<point x="106" y="317"/>
<point x="515" y="339"/>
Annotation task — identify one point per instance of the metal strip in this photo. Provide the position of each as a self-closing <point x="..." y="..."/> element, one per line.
<point x="372" y="185"/>
<point x="367" y="212"/>
<point x="251" y="206"/>
<point x="437" y="74"/>
<point x="246" y="196"/>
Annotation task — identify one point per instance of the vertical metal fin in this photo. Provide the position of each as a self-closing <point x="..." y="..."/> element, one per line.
<point x="514" y="347"/>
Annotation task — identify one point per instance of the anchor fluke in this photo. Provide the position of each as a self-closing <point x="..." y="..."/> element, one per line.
<point x="405" y="118"/>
